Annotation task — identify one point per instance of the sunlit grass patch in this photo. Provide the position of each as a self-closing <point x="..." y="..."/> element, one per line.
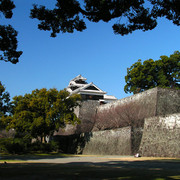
<point x="4" y="161"/>
<point x="175" y="177"/>
<point x="119" y="178"/>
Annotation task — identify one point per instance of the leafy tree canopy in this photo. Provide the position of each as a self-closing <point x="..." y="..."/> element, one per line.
<point x="164" y="72"/>
<point x="42" y="112"/>
<point x="69" y="15"/>
<point x="8" y="35"/>
<point x="5" y="104"/>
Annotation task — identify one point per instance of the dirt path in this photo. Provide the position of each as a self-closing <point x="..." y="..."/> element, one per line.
<point x="81" y="158"/>
<point x="96" y="159"/>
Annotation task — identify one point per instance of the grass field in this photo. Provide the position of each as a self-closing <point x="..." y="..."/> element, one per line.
<point x="88" y="167"/>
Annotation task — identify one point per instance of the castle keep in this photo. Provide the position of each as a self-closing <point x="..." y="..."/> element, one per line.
<point x="147" y="122"/>
<point x="88" y="91"/>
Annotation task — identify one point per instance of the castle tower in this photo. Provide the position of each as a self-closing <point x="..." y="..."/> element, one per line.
<point x="88" y="91"/>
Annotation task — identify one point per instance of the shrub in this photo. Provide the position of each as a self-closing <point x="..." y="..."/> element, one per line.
<point x="23" y="145"/>
<point x="44" y="147"/>
<point x="13" y="145"/>
<point x="4" y="142"/>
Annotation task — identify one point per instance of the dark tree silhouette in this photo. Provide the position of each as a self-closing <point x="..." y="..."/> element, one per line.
<point x="8" y="35"/>
<point x="69" y="15"/>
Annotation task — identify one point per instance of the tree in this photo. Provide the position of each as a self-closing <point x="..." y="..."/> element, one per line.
<point x="42" y="112"/>
<point x="8" y="35"/>
<point x="163" y="73"/>
<point x="5" y="105"/>
<point x="69" y="15"/>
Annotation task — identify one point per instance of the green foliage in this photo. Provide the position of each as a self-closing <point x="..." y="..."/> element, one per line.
<point x="149" y="74"/>
<point x="4" y="100"/>
<point x="69" y="15"/>
<point x="52" y="146"/>
<point x="5" y="105"/>
<point x="22" y="145"/>
<point x="42" y="112"/>
<point x="13" y="146"/>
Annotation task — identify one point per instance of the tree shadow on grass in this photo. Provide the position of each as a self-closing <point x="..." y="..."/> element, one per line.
<point x="145" y="170"/>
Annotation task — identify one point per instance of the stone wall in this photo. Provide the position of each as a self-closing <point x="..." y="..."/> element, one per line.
<point x="130" y="111"/>
<point x="99" y="122"/>
<point x="124" y="112"/>
<point x="109" y="142"/>
<point x="86" y="112"/>
<point x="161" y="136"/>
<point x="127" y="111"/>
<point x="168" y="101"/>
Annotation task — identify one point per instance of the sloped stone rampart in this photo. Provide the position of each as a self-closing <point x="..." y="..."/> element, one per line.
<point x="161" y="136"/>
<point x="100" y="121"/>
<point x="87" y="113"/>
<point x="168" y="101"/>
<point x="126" y="111"/>
<point x="150" y="94"/>
<point x="109" y="142"/>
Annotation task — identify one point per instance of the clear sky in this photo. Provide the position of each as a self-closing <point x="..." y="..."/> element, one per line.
<point x="96" y="53"/>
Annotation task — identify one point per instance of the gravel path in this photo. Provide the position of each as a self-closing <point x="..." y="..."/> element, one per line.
<point x="94" y="159"/>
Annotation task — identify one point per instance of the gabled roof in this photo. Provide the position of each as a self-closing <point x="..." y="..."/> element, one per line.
<point x="88" y="89"/>
<point x="80" y="86"/>
<point x="92" y="88"/>
<point x="79" y="77"/>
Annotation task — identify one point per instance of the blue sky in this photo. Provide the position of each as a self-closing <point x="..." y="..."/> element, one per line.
<point x="96" y="53"/>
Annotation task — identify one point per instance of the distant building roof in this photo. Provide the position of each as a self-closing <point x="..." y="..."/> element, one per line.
<point x="78" y="85"/>
<point x="109" y="97"/>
